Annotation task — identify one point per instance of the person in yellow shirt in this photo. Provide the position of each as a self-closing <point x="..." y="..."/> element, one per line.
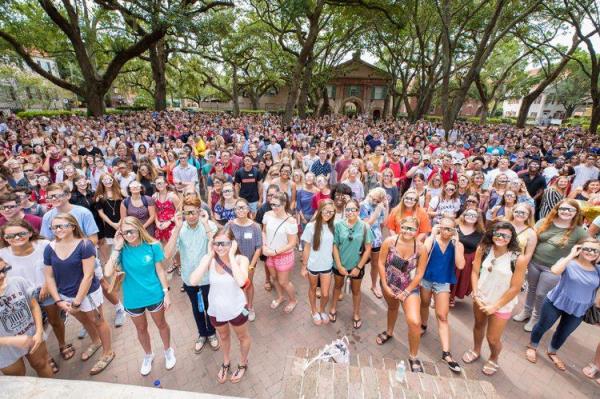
<point x="200" y="148"/>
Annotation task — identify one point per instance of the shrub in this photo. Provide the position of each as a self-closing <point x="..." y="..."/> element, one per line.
<point x="48" y="113"/>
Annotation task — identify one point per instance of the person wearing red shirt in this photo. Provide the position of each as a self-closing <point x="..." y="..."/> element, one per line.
<point x="396" y="166"/>
<point x="447" y="172"/>
<point x="323" y="193"/>
<point x="10" y="208"/>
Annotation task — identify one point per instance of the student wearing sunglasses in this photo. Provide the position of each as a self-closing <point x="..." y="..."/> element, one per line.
<point x="497" y="277"/>
<point x="23" y="337"/>
<point x="145" y="286"/>
<point x="576" y="291"/>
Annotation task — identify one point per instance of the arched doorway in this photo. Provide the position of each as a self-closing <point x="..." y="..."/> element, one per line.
<point x="352" y="106"/>
<point x="376" y="114"/>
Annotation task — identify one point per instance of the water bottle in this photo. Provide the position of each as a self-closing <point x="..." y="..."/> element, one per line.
<point x="157" y="384"/>
<point x="200" y="302"/>
<point x="400" y="371"/>
<point x="347" y="289"/>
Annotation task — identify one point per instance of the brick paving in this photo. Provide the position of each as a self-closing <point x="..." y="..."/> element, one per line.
<point x="277" y="335"/>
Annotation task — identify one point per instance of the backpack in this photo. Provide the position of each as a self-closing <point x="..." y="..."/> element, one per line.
<point x="127" y="201"/>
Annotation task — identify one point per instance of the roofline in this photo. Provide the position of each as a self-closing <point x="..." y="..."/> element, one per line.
<point x="386" y="73"/>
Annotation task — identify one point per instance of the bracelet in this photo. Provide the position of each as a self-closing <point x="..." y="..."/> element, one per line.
<point x="59" y="301"/>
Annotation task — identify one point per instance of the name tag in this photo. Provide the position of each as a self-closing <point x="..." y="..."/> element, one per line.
<point x="248" y="235"/>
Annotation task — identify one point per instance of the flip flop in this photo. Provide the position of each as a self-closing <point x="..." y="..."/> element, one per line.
<point x="223" y="372"/>
<point x="239" y="373"/>
<point x="356" y="323"/>
<point x="383" y="337"/>
<point x="289" y="308"/>
<point x="102" y="364"/>
<point x="590" y="370"/>
<point x="67" y="351"/>
<point x="53" y="365"/>
<point x="377" y="294"/>
<point x="470" y="356"/>
<point x="275" y="303"/>
<point x="333" y="317"/>
<point x="557" y="361"/>
<point x="490" y="368"/>
<point x="89" y="352"/>
<point x="531" y="354"/>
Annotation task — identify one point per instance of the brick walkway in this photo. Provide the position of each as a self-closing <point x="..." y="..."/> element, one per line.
<point x="276" y="335"/>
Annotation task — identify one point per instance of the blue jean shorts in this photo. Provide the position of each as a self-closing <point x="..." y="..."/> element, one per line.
<point x="435" y="287"/>
<point x="253" y="206"/>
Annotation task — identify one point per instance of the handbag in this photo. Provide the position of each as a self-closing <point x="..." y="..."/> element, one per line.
<point x="592" y="316"/>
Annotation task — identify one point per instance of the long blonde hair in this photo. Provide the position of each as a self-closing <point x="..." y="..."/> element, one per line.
<point x="135" y="222"/>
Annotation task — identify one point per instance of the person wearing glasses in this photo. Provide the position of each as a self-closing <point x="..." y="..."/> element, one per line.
<point x="190" y="238"/>
<point x="557" y="234"/>
<point x="352" y="241"/>
<point x="447" y="204"/>
<point x="227" y="273"/>
<point x="145" y="286"/>
<point x="10" y="208"/>
<point x="575" y="293"/>
<point x="503" y="208"/>
<point x="248" y="235"/>
<point x="139" y="206"/>
<point x="23" y="249"/>
<point x="224" y="210"/>
<point x="23" y="336"/>
<point x="446" y="253"/>
<point x="401" y="267"/>
<point x="184" y="173"/>
<point x="409" y="206"/>
<point x="317" y="258"/>
<point x="248" y="183"/>
<point x="497" y="277"/>
<point x="470" y="229"/>
<point x="69" y="271"/>
<point x="167" y="203"/>
<point x="279" y="240"/>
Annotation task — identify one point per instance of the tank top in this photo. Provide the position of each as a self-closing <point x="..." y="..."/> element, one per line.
<point x="494" y="280"/>
<point x="399" y="271"/>
<point x="440" y="268"/>
<point x="226" y="300"/>
<point x="522" y="239"/>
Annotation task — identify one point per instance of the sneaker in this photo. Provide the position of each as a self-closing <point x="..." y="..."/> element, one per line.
<point x="523" y="316"/>
<point x="170" y="359"/>
<point x="147" y="364"/>
<point x="251" y="315"/>
<point x="82" y="333"/>
<point x="119" y="317"/>
<point x="530" y="324"/>
<point x="214" y="342"/>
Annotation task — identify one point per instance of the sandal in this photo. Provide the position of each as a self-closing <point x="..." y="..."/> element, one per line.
<point x="102" y="364"/>
<point x="268" y="287"/>
<point x="383" y="337"/>
<point x="415" y="365"/>
<point x="333" y="317"/>
<point x="171" y="268"/>
<point x="377" y="293"/>
<point x="590" y="370"/>
<point x="490" y="368"/>
<point x="452" y="303"/>
<point x="356" y="323"/>
<point x="276" y="302"/>
<point x="531" y="354"/>
<point x="470" y="356"/>
<point x="316" y="317"/>
<point x="239" y="373"/>
<point x="223" y="372"/>
<point x="452" y="365"/>
<point x="89" y="352"/>
<point x="556" y="360"/>
<point x="289" y="308"/>
<point x="324" y="318"/>
<point x="67" y="351"/>
<point x="199" y="345"/>
<point x="53" y="365"/>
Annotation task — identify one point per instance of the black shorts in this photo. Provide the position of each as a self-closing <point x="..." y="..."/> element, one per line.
<point x="140" y="311"/>
<point x="361" y="274"/>
<point x="236" y="321"/>
<point x="313" y="273"/>
<point x="375" y="250"/>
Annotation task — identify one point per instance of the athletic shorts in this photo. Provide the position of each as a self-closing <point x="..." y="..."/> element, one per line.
<point x="140" y="311"/>
<point x="361" y="274"/>
<point x="316" y="273"/>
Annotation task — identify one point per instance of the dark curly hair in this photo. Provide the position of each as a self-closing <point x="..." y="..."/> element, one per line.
<point x="487" y="242"/>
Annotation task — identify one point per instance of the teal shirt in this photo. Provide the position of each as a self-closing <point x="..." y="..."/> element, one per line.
<point x="141" y="286"/>
<point x="349" y="249"/>
<point x="192" y="245"/>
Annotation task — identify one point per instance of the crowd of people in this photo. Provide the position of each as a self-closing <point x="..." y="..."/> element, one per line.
<point x="99" y="211"/>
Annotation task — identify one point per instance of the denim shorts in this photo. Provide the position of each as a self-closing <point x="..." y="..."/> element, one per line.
<point x="435" y="287"/>
<point x="253" y="206"/>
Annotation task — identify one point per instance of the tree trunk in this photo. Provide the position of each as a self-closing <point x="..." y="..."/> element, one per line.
<point x="325" y="107"/>
<point x="595" y="115"/>
<point x="235" y="94"/>
<point x="484" y="113"/>
<point x="524" y="108"/>
<point x="386" y="105"/>
<point x="293" y="87"/>
<point x="254" y="100"/>
<point x="158" y="62"/>
<point x="303" y="98"/>
<point x="95" y="101"/>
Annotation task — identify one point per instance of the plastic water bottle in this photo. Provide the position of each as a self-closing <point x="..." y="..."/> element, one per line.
<point x="157" y="384"/>
<point x="400" y="371"/>
<point x="347" y="286"/>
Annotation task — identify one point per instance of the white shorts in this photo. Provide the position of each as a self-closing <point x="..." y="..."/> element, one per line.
<point x="98" y="272"/>
<point x="90" y="302"/>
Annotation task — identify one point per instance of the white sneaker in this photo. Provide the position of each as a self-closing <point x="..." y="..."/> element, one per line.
<point x="530" y="324"/>
<point x="82" y="333"/>
<point x="119" y="317"/>
<point x="147" y="364"/>
<point x="251" y="315"/>
<point x="170" y="358"/>
<point x="523" y="316"/>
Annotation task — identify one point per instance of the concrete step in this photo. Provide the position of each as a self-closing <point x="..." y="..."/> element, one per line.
<point x="370" y="378"/>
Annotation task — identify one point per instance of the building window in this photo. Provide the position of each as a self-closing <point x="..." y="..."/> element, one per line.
<point x="538" y="100"/>
<point x="353" y="91"/>
<point x="331" y="91"/>
<point x="533" y="114"/>
<point x="378" y="92"/>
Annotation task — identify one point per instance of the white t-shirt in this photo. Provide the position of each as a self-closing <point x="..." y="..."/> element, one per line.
<point x="276" y="235"/>
<point x="322" y="259"/>
<point x="30" y="267"/>
<point x="584" y="173"/>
